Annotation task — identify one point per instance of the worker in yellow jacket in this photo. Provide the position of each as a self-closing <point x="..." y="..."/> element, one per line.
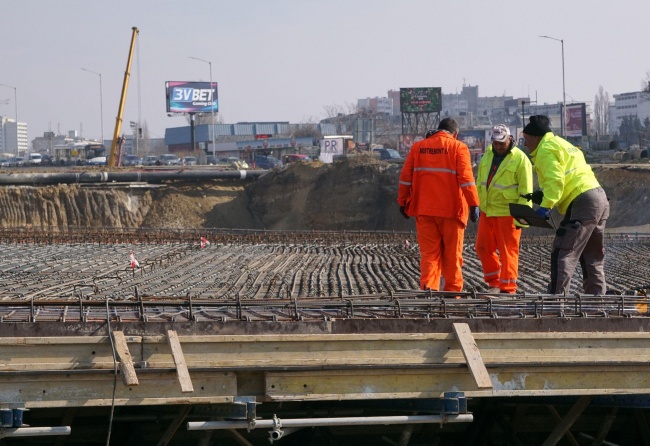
<point x="504" y="175"/>
<point x="568" y="183"/>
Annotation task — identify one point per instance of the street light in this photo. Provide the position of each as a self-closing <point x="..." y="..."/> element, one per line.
<point x="214" y="148"/>
<point x="562" y="116"/>
<point x="101" y="100"/>
<point x="16" y="105"/>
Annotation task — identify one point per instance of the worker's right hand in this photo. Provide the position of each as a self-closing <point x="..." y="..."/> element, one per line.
<point x="535" y="196"/>
<point x="403" y="212"/>
<point x="473" y="214"/>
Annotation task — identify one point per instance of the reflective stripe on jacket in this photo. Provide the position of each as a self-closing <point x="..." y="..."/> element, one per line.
<point x="562" y="172"/>
<point x="513" y="178"/>
<point x="437" y="179"/>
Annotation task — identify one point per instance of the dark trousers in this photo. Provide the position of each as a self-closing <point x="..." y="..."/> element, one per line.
<point x="581" y="238"/>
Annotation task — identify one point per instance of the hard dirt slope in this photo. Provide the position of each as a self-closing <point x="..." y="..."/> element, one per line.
<point x="357" y="194"/>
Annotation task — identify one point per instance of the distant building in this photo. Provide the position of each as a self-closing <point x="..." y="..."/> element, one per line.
<point x="394" y="95"/>
<point x="10" y="140"/>
<point x="376" y="105"/>
<point x="636" y="104"/>
<point x="178" y="139"/>
<point x="45" y="144"/>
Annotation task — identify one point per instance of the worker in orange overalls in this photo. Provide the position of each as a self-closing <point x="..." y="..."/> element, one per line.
<point x="436" y="187"/>
<point x="504" y="174"/>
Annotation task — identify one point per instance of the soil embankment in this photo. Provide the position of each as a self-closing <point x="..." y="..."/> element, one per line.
<point x="357" y="194"/>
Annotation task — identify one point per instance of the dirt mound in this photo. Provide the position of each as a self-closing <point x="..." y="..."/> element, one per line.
<point x="209" y="205"/>
<point x="71" y="206"/>
<point x="628" y="190"/>
<point x="355" y="194"/>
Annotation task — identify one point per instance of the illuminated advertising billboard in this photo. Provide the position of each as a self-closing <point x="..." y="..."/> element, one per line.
<point x="420" y="100"/>
<point x="191" y="97"/>
<point x="576" y="120"/>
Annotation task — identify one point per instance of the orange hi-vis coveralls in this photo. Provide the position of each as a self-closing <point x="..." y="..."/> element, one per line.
<point x="497" y="230"/>
<point x="436" y="186"/>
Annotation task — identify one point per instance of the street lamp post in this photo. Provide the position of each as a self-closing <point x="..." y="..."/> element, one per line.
<point x="101" y="101"/>
<point x="562" y="116"/>
<point x="214" y="145"/>
<point x="16" y="108"/>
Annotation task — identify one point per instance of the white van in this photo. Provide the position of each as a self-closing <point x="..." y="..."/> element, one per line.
<point x="34" y="159"/>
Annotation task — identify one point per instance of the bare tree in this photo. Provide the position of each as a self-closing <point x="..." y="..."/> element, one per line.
<point x="601" y="112"/>
<point x="645" y="87"/>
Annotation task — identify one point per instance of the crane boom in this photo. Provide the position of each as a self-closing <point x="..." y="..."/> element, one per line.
<point x="118" y="121"/>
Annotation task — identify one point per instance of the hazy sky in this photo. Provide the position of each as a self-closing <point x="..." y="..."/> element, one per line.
<point x="286" y="60"/>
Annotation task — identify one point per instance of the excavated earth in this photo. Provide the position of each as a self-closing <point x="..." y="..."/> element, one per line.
<point x="358" y="194"/>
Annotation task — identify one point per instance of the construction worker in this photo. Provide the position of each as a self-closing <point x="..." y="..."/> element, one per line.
<point x="568" y="183"/>
<point x="436" y="187"/>
<point x="504" y="174"/>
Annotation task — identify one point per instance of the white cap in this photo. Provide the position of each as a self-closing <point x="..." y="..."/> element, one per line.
<point x="500" y="133"/>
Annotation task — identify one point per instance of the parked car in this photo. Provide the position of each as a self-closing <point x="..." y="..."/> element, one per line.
<point x="292" y="158"/>
<point x="169" y="159"/>
<point x="149" y="160"/>
<point x="47" y="160"/>
<point x="132" y="160"/>
<point x="189" y="161"/>
<point x="267" y="162"/>
<point x="4" y="162"/>
<point x="97" y="161"/>
<point x="211" y="160"/>
<point x="34" y="159"/>
<point x="17" y="161"/>
<point x="390" y="155"/>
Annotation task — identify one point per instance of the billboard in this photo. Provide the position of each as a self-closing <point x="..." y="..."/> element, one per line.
<point x="191" y="97"/>
<point x="576" y="120"/>
<point x="475" y="139"/>
<point x="420" y="100"/>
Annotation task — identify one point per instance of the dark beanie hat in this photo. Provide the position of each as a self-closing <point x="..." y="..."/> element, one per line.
<point x="539" y="125"/>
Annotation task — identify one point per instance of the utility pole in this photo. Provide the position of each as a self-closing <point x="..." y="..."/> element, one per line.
<point x="563" y="108"/>
<point x="212" y="133"/>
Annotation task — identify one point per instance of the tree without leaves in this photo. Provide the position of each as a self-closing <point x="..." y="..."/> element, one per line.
<point x="601" y="112"/>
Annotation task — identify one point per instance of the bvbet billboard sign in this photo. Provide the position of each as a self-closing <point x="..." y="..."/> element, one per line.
<point x="191" y="97"/>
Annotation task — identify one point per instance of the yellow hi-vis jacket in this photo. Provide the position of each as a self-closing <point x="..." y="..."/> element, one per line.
<point x="562" y="172"/>
<point x="513" y="178"/>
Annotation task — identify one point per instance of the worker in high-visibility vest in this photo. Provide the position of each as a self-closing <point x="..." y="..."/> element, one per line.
<point x="568" y="183"/>
<point x="436" y="187"/>
<point x="504" y="174"/>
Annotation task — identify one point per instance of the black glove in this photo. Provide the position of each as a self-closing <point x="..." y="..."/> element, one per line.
<point x="536" y="196"/>
<point x="403" y="212"/>
<point x="473" y="214"/>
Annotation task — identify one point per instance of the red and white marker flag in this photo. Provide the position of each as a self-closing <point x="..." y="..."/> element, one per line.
<point x="204" y="242"/>
<point x="134" y="261"/>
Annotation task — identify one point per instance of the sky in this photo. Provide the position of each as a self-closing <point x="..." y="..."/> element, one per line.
<point x="292" y="60"/>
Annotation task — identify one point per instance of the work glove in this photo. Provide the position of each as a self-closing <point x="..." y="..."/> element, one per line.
<point x="543" y="212"/>
<point x="473" y="213"/>
<point x="403" y="212"/>
<point x="535" y="196"/>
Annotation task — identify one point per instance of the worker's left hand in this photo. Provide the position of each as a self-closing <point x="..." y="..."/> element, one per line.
<point x="403" y="212"/>
<point x="473" y="214"/>
<point x="543" y="212"/>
